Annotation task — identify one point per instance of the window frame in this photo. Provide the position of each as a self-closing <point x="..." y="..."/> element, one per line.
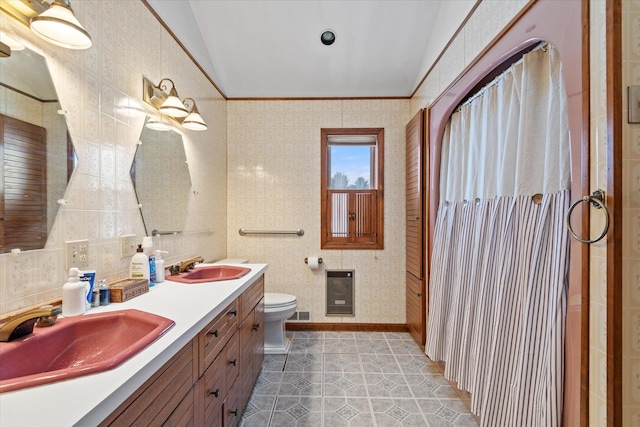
<point x="352" y="242"/>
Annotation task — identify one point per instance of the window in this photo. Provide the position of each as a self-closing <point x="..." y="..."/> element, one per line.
<point x="352" y="188"/>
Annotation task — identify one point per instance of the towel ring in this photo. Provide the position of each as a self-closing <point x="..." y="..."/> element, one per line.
<point x="597" y="200"/>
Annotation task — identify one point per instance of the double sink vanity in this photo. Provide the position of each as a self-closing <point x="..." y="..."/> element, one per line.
<point x="199" y="371"/>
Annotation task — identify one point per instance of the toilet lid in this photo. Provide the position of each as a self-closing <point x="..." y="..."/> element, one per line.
<point x="272" y="299"/>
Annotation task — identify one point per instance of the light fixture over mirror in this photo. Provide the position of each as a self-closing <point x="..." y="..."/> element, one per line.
<point x="183" y="112"/>
<point x="172" y="106"/>
<point x="193" y="121"/>
<point x="52" y="20"/>
<point x="59" y="25"/>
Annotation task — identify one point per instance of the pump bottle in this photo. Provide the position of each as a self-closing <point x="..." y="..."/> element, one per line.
<point x="73" y="295"/>
<point x="139" y="265"/>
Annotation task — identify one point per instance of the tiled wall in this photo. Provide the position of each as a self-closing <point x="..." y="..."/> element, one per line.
<point x="101" y="89"/>
<point x="274" y="184"/>
<point x="631" y="219"/>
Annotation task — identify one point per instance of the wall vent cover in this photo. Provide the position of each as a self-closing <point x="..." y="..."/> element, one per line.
<point x="340" y="292"/>
<point x="300" y="316"/>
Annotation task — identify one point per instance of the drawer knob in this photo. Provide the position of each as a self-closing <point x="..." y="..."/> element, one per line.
<point x="256" y="326"/>
<point x="215" y="333"/>
<point x="233" y="313"/>
<point x="215" y="392"/>
<point x="419" y="294"/>
<point x="234" y="412"/>
<point x="233" y="362"/>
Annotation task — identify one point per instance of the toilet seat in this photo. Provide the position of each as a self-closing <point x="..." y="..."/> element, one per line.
<point x="276" y="300"/>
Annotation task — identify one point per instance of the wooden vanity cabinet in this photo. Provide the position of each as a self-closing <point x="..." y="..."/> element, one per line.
<point x="167" y="391"/>
<point x="209" y="381"/>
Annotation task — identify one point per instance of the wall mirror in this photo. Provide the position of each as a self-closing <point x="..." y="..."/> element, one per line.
<point x="160" y="176"/>
<point x="37" y="156"/>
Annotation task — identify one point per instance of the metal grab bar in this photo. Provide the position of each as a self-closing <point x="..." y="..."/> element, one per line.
<point x="164" y="233"/>
<point x="244" y="232"/>
<point x="597" y="200"/>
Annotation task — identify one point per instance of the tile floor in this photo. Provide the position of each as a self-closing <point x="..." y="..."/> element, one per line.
<point x="353" y="379"/>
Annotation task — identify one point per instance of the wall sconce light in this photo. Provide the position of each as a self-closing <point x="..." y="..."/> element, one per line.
<point x="52" y="20"/>
<point x="168" y="103"/>
<point x="59" y="25"/>
<point x="193" y="121"/>
<point x="172" y="106"/>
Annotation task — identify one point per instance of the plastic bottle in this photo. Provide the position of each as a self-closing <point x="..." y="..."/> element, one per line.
<point x="73" y="295"/>
<point x="139" y="265"/>
<point x="160" y="266"/>
<point x="152" y="270"/>
<point x="105" y="298"/>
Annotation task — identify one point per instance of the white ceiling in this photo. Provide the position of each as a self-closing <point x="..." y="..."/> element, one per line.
<point x="272" y="49"/>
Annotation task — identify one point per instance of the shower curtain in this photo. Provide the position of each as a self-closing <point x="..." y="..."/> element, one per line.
<point x="499" y="273"/>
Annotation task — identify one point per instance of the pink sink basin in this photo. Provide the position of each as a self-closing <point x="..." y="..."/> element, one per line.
<point x="77" y="346"/>
<point x="212" y="273"/>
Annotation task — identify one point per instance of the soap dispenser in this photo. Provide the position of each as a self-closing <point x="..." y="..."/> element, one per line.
<point x="160" y="266"/>
<point x="139" y="265"/>
<point x="73" y="295"/>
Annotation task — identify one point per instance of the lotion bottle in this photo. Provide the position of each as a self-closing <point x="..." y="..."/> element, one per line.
<point x="73" y="295"/>
<point x="160" y="266"/>
<point x="139" y="265"/>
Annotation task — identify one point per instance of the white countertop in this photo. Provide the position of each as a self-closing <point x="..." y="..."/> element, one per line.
<point x="88" y="400"/>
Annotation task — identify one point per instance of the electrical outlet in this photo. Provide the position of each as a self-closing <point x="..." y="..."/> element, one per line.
<point x="77" y="254"/>
<point x="128" y="245"/>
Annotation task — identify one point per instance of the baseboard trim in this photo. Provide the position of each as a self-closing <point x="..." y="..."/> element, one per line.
<point x="352" y="327"/>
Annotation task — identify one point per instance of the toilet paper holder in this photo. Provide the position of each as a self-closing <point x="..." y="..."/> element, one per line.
<point x="306" y="260"/>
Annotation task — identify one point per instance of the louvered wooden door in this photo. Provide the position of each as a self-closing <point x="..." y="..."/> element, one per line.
<point x="23" y="202"/>
<point x="415" y="230"/>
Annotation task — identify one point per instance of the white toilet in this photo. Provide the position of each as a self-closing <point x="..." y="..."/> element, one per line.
<point x="277" y="308"/>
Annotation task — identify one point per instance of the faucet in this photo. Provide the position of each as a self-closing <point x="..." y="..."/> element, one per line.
<point x="189" y="263"/>
<point x="22" y="324"/>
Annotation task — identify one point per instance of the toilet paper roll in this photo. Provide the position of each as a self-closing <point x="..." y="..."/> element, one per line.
<point x="313" y="262"/>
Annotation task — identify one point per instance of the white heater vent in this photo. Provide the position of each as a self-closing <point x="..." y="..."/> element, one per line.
<point x="300" y="316"/>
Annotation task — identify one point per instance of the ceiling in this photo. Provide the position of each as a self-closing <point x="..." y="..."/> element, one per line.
<point x="272" y="48"/>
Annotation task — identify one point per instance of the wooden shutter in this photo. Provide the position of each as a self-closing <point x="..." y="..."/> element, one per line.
<point x="414" y="196"/>
<point x="24" y="174"/>
<point x="352" y="217"/>
<point x="416" y="172"/>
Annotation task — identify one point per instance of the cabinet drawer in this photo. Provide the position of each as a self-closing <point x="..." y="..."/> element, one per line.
<point x="232" y="353"/>
<point x="251" y="297"/>
<point x="215" y="335"/>
<point x="214" y="391"/>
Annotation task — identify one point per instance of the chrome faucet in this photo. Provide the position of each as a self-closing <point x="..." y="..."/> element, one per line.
<point x="188" y="264"/>
<point x="22" y="324"/>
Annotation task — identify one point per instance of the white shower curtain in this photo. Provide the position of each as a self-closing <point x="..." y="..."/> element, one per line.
<point x="499" y="274"/>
